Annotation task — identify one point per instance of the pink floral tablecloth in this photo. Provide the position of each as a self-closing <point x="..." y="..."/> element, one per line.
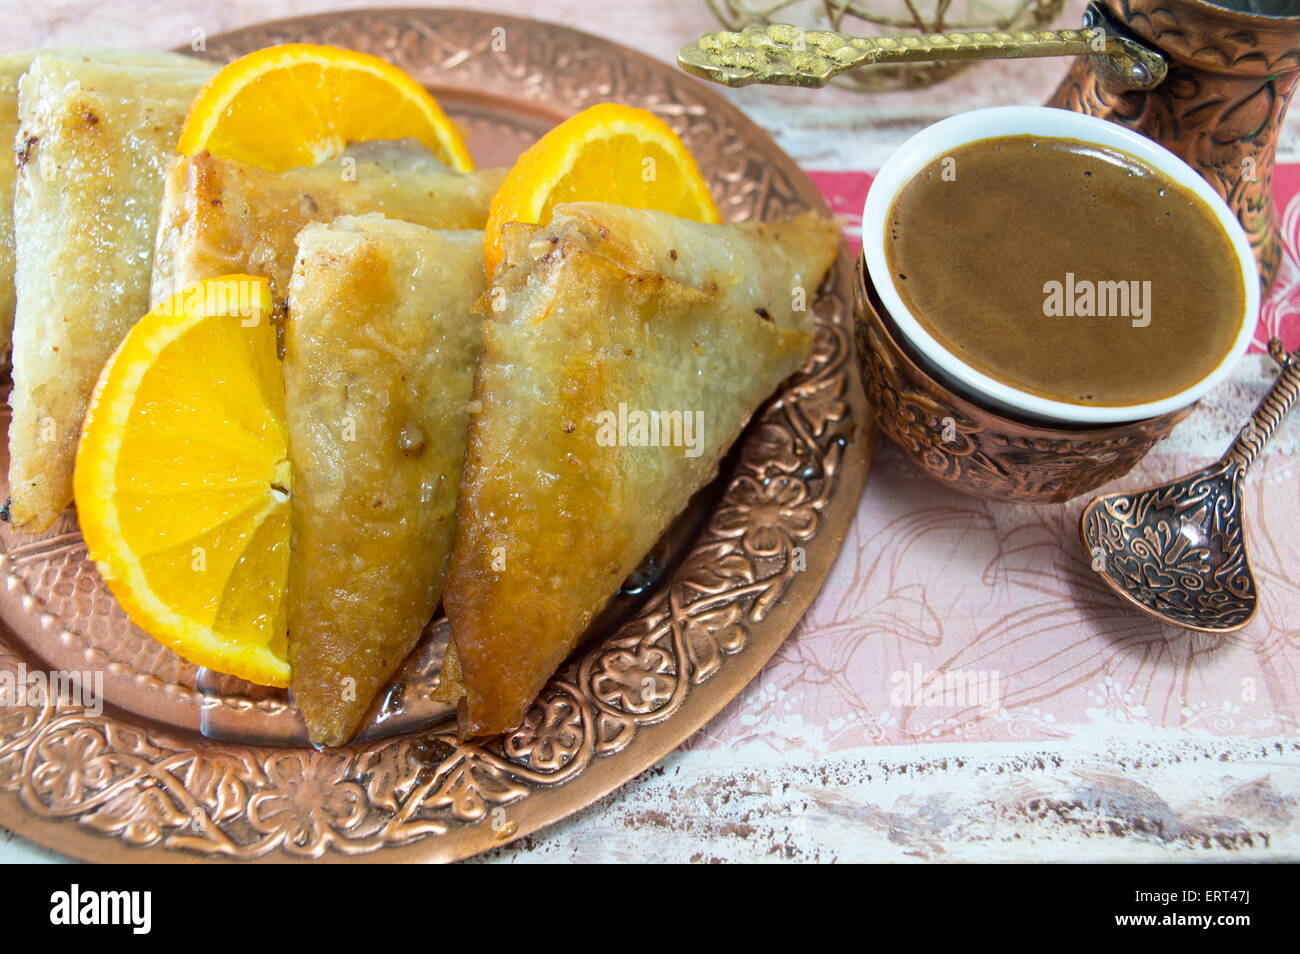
<point x="1072" y="729"/>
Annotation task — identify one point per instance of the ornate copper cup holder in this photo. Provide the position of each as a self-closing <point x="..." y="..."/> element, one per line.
<point x="977" y="450"/>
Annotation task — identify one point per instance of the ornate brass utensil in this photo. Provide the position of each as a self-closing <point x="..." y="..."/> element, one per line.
<point x="788" y="55"/>
<point x="872" y="17"/>
<point x="1178" y="551"/>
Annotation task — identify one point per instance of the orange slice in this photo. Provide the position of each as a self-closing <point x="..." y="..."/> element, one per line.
<point x="300" y="104"/>
<point x="182" y="479"/>
<point x="607" y="153"/>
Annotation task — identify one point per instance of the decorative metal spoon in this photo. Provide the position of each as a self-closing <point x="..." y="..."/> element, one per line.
<point x="788" y="55"/>
<point x="1178" y="551"/>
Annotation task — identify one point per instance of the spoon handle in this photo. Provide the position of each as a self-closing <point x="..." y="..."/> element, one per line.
<point x="790" y="56"/>
<point x="1268" y="415"/>
<point x="787" y="55"/>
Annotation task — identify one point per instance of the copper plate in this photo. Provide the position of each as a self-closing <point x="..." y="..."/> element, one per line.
<point x="187" y="766"/>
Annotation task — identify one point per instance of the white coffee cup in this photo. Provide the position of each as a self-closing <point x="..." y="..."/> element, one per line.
<point x="940" y="139"/>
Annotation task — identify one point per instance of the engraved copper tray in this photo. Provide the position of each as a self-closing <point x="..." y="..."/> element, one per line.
<point x="185" y="765"/>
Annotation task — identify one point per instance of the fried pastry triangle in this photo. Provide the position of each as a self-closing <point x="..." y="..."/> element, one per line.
<point x="594" y="322"/>
<point x="221" y="217"/>
<point x="12" y="66"/>
<point x="380" y="350"/>
<point x="93" y="140"/>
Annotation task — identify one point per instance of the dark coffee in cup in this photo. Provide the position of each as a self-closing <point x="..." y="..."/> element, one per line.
<point x="1065" y="269"/>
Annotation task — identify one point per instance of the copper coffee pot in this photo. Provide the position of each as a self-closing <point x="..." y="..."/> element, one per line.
<point x="1232" y="67"/>
<point x="1209" y="81"/>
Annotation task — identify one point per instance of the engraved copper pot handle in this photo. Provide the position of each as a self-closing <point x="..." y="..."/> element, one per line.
<point x="787" y="55"/>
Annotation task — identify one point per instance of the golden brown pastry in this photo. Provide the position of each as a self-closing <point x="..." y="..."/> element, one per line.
<point x="604" y="314"/>
<point x="12" y="66"/>
<point x="94" y="139"/>
<point x="380" y="350"/>
<point x="221" y="217"/>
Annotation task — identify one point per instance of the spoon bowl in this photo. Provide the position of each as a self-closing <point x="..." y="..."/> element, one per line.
<point x="1177" y="551"/>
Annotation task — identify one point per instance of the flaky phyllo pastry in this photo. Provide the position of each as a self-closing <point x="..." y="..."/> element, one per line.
<point x="12" y="66"/>
<point x="222" y="217"/>
<point x="93" y="141"/>
<point x="380" y="351"/>
<point x="605" y="312"/>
